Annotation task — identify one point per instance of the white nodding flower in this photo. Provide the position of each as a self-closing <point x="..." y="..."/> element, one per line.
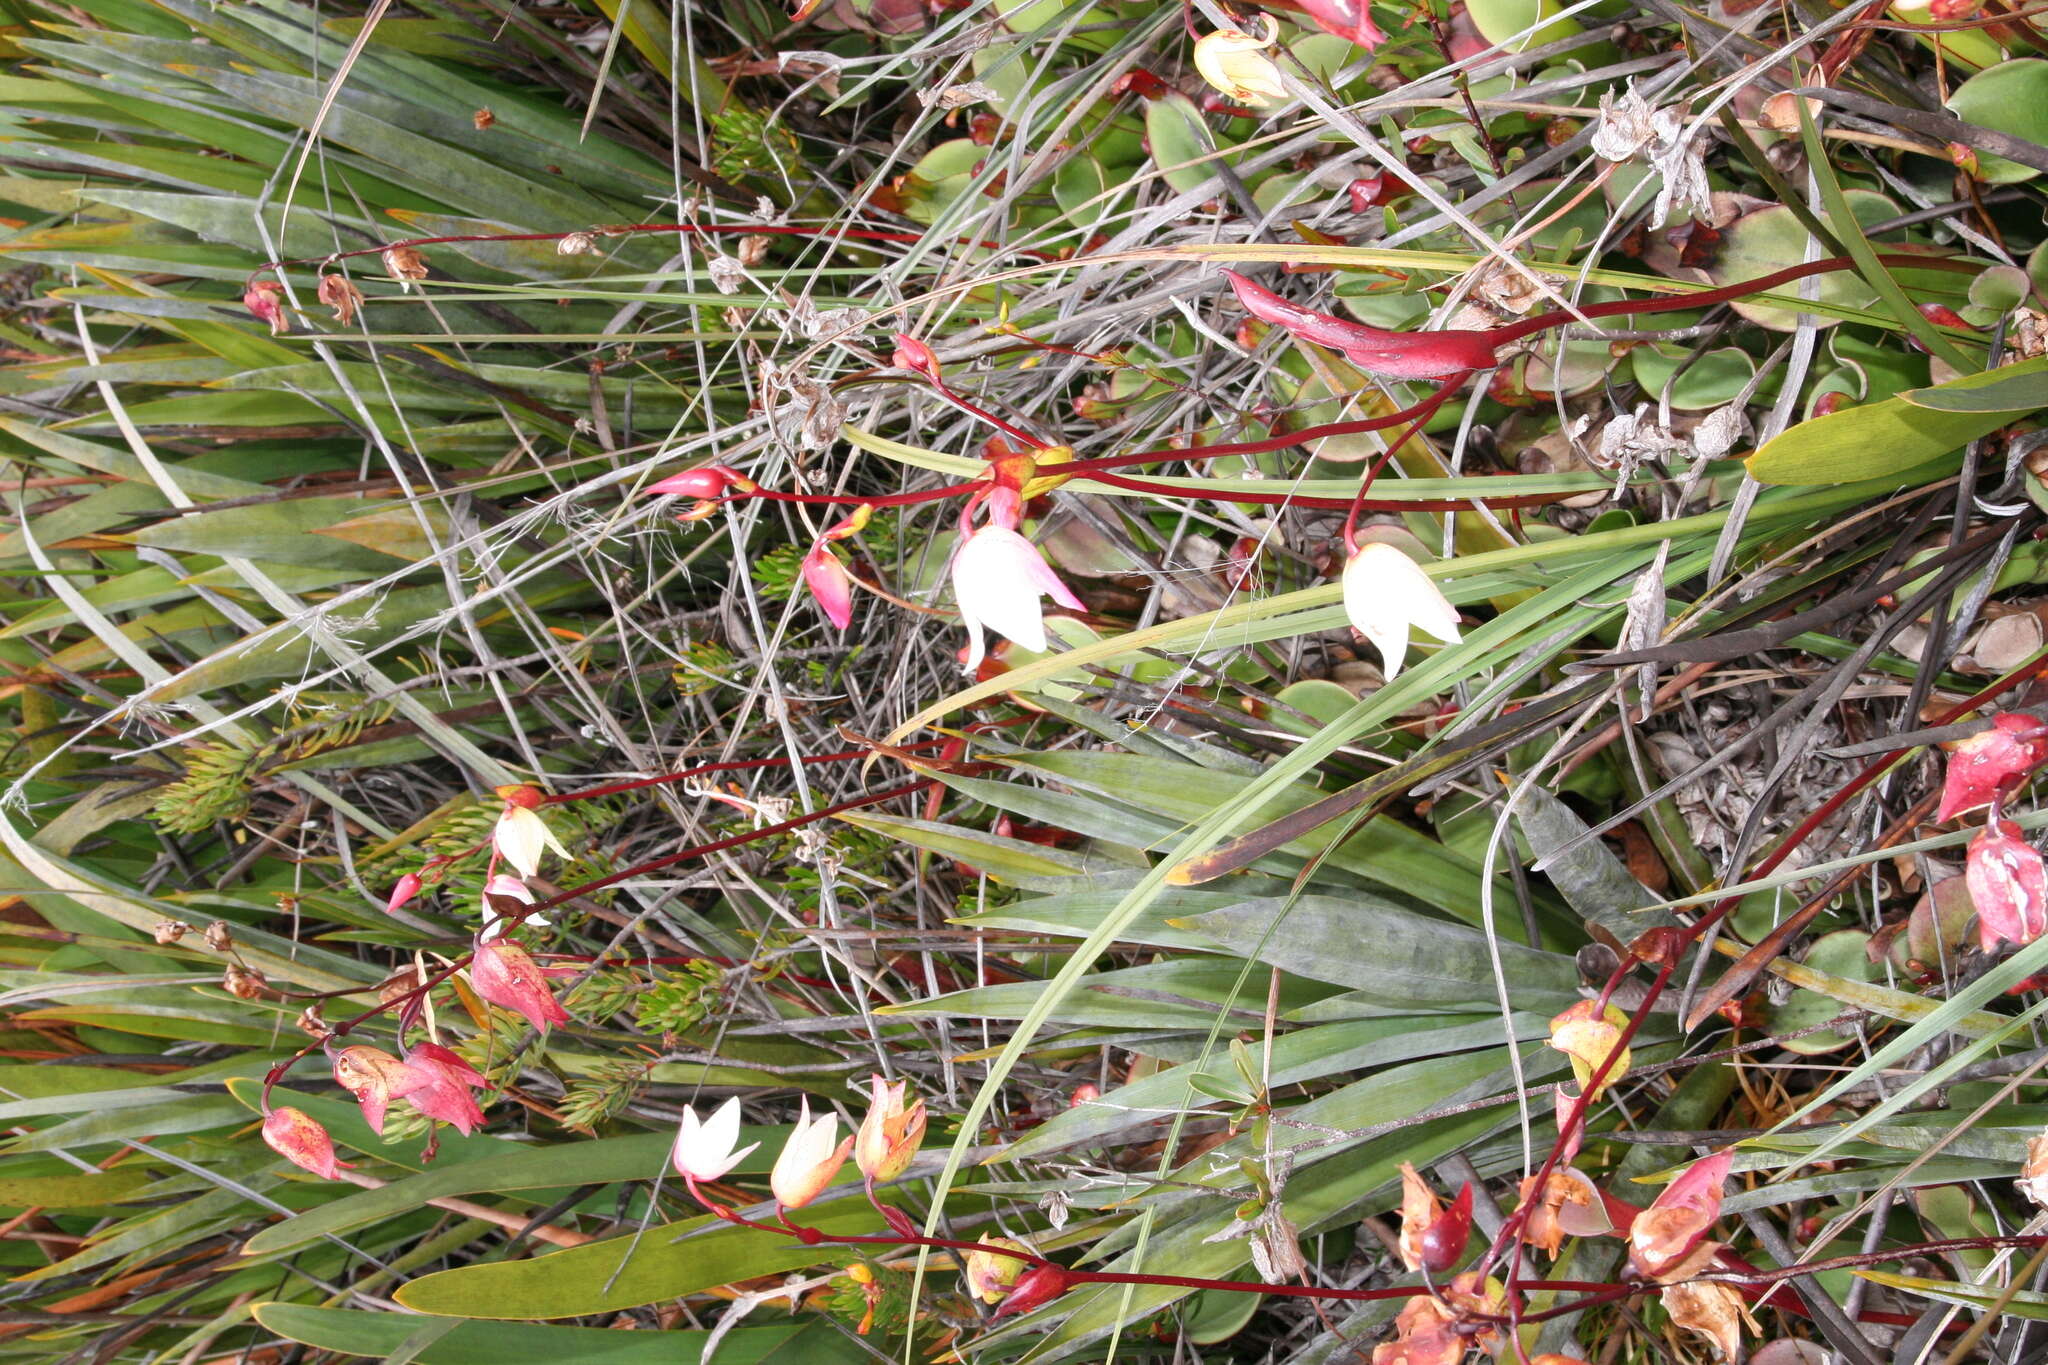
<point x="704" y="1150"/>
<point x="998" y="577"/>
<point x="1386" y="594"/>
<point x="522" y="836"/>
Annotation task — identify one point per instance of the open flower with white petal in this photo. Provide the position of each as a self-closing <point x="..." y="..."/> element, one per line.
<point x="998" y="577"/>
<point x="704" y="1150"/>
<point x="1387" y="595"/>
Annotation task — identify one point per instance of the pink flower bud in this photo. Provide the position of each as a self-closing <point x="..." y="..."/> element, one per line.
<point x="408" y="886"/>
<point x="1345" y="18"/>
<point x="294" y="1135"/>
<point x="912" y="354"/>
<point x="830" y="584"/>
<point x="2008" y="885"/>
<point x="506" y="975"/>
<point x="1398" y="355"/>
<point x="705" y="481"/>
<point x="1664" y="1235"/>
<point x="265" y="299"/>
<point x="1980" y="767"/>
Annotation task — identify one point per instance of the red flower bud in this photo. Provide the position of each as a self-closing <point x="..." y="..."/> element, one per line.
<point x="1398" y="355"/>
<point x="1040" y="1285"/>
<point x="705" y="481"/>
<point x="1432" y="1237"/>
<point x="1443" y="1241"/>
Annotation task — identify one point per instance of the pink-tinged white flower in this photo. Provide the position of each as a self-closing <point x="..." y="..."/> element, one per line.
<point x="375" y="1078"/>
<point x="830" y="584"/>
<point x="890" y="1134"/>
<point x="998" y="577"/>
<point x="1398" y="355"/>
<point x="809" y="1159"/>
<point x="1236" y="64"/>
<point x="1345" y="18"/>
<point x="297" y="1137"/>
<point x="265" y="300"/>
<point x="506" y="975"/>
<point x="2008" y="885"/>
<point x="521" y="835"/>
<point x="1980" y="767"/>
<point x="704" y="1151"/>
<point x="408" y="886"/>
<point x="1387" y="595"/>
<point x="1665" y="1235"/>
<point x="444" y="1082"/>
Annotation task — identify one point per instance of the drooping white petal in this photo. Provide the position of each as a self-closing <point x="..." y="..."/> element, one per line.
<point x="998" y="578"/>
<point x="521" y="836"/>
<point x="1386" y="594"/>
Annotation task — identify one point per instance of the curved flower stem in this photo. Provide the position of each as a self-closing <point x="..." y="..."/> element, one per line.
<point x="634" y="229"/>
<point x="1423" y="411"/>
<point x="973" y="409"/>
